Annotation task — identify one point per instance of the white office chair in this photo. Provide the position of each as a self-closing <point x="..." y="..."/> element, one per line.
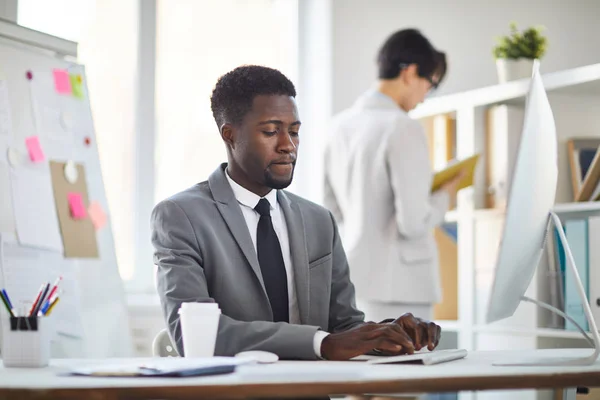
<point x="162" y="345"/>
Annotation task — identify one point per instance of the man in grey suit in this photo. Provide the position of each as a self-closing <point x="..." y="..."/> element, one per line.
<point x="272" y="261"/>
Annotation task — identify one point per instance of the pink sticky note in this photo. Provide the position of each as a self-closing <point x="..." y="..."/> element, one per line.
<point x="76" y="206"/>
<point x="97" y="215"/>
<point x="62" y="81"/>
<point x="35" y="149"/>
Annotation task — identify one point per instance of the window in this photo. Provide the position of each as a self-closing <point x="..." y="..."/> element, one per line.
<point x="198" y="41"/>
<point x="106" y="31"/>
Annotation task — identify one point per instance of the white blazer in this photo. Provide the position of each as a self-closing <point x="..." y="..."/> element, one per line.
<point x="378" y="186"/>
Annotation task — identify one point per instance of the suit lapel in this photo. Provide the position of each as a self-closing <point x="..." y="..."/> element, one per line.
<point x="232" y="214"/>
<point x="298" y="252"/>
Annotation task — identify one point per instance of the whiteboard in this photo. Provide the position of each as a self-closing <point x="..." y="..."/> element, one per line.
<point x="102" y="304"/>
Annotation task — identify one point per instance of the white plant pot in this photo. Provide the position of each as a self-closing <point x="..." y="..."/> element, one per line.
<point x="510" y="70"/>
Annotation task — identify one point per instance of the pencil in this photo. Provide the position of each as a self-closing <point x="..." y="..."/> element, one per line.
<point x="49" y="310"/>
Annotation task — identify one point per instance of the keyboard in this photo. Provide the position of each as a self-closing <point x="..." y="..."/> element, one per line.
<point x="421" y="357"/>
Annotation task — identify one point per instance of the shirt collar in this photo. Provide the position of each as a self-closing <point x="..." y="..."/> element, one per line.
<point x="247" y="198"/>
<point x="373" y="98"/>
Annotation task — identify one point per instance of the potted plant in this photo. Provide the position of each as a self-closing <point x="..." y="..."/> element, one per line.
<point x="516" y="53"/>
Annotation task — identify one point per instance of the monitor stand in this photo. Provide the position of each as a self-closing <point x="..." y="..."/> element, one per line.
<point x="561" y="361"/>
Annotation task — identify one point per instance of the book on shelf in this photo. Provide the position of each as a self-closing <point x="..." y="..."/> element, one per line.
<point x="584" y="163"/>
<point x="583" y="235"/>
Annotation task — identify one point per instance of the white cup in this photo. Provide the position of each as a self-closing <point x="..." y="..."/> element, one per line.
<point x="199" y="326"/>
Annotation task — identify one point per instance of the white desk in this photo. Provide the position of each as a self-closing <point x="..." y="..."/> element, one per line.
<point x="301" y="379"/>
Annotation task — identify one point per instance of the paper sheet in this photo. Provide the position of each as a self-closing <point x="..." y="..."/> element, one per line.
<point x="62" y="81"/>
<point x="48" y="106"/>
<point x="34" y="148"/>
<point x="5" y="118"/>
<point x="97" y="215"/>
<point x="77" y="85"/>
<point x="76" y="206"/>
<point x="24" y="269"/>
<point x="78" y="234"/>
<point x="7" y="214"/>
<point x="35" y="210"/>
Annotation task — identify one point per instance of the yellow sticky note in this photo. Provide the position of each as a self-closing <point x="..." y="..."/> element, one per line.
<point x="77" y="85"/>
<point x="468" y="164"/>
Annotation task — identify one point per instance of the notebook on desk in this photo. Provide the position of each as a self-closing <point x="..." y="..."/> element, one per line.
<point x="421" y="357"/>
<point x="164" y="367"/>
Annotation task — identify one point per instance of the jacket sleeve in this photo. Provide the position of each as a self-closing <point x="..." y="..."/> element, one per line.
<point x="181" y="278"/>
<point x="417" y="210"/>
<point x="343" y="314"/>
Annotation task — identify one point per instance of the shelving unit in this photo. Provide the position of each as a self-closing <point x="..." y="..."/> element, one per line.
<point x="541" y="332"/>
<point x="574" y="95"/>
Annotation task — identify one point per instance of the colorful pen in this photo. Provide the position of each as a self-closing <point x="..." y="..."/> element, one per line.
<point x="6" y="304"/>
<point x="54" y="288"/>
<point x="7" y="298"/>
<point x="47" y="306"/>
<point x="52" y="305"/>
<point x="52" y="293"/>
<point x="37" y="299"/>
<point x="41" y="301"/>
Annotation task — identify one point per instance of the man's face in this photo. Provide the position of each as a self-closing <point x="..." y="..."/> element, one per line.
<point x="266" y="142"/>
<point x="418" y="87"/>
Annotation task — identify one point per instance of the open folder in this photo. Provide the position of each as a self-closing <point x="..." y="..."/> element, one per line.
<point x="445" y="175"/>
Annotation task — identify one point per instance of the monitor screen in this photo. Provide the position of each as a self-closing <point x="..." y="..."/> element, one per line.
<point x="530" y="200"/>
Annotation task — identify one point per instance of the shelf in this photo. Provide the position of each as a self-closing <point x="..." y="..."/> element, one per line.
<point x="540" y="332"/>
<point x="562" y="209"/>
<point x="579" y="81"/>
<point x="449" y="325"/>
<point x="575" y="208"/>
<point x="451" y="216"/>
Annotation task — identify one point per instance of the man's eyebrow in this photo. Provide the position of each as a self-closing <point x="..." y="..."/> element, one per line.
<point x="278" y="122"/>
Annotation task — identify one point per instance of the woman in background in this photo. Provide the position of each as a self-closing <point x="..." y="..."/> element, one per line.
<point x="378" y="180"/>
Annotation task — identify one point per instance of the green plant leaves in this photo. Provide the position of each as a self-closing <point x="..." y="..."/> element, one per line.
<point x="527" y="44"/>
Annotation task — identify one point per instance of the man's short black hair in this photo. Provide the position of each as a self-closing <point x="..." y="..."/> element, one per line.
<point x="409" y="46"/>
<point x="235" y="91"/>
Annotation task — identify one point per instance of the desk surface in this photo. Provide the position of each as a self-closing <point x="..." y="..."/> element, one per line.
<point x="302" y="378"/>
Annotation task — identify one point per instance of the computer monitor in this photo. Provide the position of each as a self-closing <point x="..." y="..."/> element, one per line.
<point x="529" y="217"/>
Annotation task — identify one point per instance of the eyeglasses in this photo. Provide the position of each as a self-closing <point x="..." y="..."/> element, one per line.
<point x="434" y="84"/>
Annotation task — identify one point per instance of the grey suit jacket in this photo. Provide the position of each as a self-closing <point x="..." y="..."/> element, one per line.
<point x="204" y="253"/>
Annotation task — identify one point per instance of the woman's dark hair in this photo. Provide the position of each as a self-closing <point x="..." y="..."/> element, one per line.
<point x="409" y="46"/>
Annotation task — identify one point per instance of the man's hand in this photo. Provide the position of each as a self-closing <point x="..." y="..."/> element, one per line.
<point x="390" y="338"/>
<point x="421" y="332"/>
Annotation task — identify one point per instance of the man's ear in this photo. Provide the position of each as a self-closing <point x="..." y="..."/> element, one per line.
<point x="227" y="134"/>
<point x="409" y="73"/>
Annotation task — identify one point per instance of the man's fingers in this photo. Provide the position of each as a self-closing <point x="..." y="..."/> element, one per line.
<point x="434" y="332"/>
<point x="415" y="329"/>
<point x="426" y="339"/>
<point x="392" y="347"/>
<point x="398" y="335"/>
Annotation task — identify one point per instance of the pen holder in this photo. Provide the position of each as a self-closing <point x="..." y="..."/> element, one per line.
<point x="26" y="342"/>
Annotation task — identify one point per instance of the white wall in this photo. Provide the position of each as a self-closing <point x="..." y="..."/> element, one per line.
<point x="8" y="10"/>
<point x="464" y="29"/>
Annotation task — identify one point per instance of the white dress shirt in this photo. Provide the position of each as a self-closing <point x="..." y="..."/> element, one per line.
<point x="248" y="201"/>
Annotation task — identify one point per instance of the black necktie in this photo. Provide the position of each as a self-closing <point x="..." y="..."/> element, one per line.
<point x="271" y="263"/>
